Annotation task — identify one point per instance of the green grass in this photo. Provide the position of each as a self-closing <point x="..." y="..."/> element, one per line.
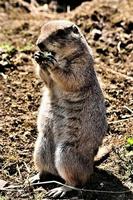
<point x="130" y="141"/>
<point x="2" y="198"/>
<point x="9" y="48"/>
<point x="28" y="47"/>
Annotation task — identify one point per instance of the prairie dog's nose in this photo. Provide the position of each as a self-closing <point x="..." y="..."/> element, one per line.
<point x="41" y="45"/>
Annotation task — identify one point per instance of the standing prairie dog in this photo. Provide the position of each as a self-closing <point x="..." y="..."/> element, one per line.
<point x="72" y="116"/>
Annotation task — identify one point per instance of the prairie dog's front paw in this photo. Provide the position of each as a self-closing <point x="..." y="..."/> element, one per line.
<point x="45" y="59"/>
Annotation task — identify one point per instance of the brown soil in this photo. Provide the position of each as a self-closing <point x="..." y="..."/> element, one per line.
<point x="108" y="27"/>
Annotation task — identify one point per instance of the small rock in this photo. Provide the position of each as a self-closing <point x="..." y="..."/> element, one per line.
<point x="3" y="183"/>
<point x="96" y="34"/>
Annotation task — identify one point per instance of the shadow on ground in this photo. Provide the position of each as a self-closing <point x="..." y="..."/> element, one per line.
<point x="108" y="185"/>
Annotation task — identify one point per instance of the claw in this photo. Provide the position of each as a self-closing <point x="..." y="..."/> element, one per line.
<point x="44" y="57"/>
<point x="39" y="57"/>
<point x="58" y="192"/>
<point x="49" y="59"/>
<point x="50" y="56"/>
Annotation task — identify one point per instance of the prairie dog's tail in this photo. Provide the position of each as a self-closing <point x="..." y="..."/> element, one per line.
<point x="102" y="154"/>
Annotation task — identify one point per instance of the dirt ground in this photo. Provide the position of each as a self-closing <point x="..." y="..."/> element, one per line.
<point x="108" y="28"/>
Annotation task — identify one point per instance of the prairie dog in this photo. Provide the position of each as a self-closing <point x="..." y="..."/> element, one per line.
<point x="72" y="115"/>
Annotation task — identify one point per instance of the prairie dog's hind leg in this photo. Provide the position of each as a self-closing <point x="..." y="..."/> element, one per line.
<point x="44" y="156"/>
<point x="44" y="161"/>
<point x="73" y="167"/>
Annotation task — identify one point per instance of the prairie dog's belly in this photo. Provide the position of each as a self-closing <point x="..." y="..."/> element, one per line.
<point x="63" y="121"/>
<point x="45" y="115"/>
<point x="67" y="122"/>
<point x="70" y="118"/>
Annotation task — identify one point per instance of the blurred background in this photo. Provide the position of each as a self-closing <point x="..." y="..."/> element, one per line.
<point x="108" y="28"/>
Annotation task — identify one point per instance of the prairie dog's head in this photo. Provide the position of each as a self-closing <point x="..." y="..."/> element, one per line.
<point x="62" y="46"/>
<point x="62" y="38"/>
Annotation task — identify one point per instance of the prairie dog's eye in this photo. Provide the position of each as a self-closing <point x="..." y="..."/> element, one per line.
<point x="75" y="29"/>
<point x="61" y="33"/>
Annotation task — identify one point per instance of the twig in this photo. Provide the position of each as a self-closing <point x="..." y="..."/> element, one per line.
<point x="33" y="7"/>
<point x="81" y="189"/>
<point x="20" y="175"/>
<point x="121" y="120"/>
<point x="128" y="109"/>
<point x="68" y="186"/>
<point x="12" y="188"/>
<point x="118" y="46"/>
<point x="29" y="6"/>
<point x="119" y="74"/>
<point x="3" y="76"/>
<point x="28" y="169"/>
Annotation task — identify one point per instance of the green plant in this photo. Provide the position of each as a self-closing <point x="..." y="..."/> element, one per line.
<point x="27" y="47"/>
<point x="7" y="47"/>
<point x="130" y="141"/>
<point x="2" y="198"/>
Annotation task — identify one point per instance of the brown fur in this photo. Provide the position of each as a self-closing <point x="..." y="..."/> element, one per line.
<point x="71" y="120"/>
